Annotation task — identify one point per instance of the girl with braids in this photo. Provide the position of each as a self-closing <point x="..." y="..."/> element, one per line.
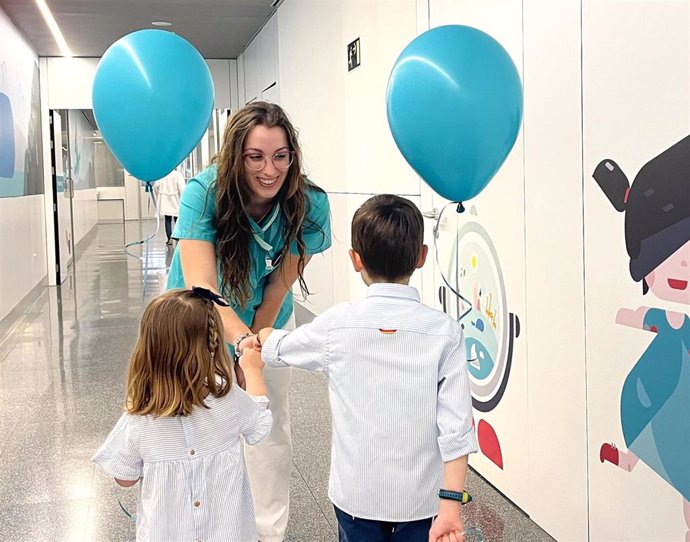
<point x="180" y="434"/>
<point x="248" y="225"/>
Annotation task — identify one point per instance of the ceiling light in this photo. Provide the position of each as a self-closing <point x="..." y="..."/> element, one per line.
<point x="161" y="23"/>
<point x="54" y="28"/>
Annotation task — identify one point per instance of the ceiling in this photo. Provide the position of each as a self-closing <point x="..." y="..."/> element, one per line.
<point x="217" y="28"/>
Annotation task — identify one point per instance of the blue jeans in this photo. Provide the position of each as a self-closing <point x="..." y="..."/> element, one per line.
<point x="367" y="530"/>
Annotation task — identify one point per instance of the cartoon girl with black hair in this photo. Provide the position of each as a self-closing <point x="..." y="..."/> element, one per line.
<point x="655" y="401"/>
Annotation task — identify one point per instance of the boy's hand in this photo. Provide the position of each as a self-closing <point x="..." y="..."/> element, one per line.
<point x="251" y="360"/>
<point x="447" y="526"/>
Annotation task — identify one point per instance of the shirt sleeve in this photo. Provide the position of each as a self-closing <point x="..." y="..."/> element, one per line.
<point x="197" y="210"/>
<point x="256" y="419"/>
<point x="454" y="409"/>
<point x="306" y="347"/>
<point x="316" y="230"/>
<point x="119" y="455"/>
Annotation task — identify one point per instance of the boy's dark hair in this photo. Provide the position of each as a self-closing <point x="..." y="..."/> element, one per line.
<point x="387" y="233"/>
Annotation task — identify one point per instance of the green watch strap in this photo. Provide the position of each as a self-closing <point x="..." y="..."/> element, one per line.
<point x="461" y="496"/>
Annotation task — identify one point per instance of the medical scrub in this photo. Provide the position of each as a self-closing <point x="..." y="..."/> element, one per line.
<point x="269" y="462"/>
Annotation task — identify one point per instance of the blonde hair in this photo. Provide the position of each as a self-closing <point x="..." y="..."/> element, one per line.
<point x="179" y="358"/>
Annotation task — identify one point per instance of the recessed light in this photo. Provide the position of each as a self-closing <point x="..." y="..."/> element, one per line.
<point x="54" y="28"/>
<point x="161" y="23"/>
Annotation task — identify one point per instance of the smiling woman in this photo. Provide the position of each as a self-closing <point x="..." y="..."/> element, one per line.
<point x="248" y="225"/>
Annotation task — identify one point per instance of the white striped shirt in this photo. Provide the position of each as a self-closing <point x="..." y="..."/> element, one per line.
<point x="195" y="486"/>
<point x="399" y="394"/>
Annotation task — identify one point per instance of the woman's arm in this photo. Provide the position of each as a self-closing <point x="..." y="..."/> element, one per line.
<point x="277" y="286"/>
<point x="200" y="268"/>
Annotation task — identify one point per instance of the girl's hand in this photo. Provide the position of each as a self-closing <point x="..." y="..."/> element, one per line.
<point x="250" y="360"/>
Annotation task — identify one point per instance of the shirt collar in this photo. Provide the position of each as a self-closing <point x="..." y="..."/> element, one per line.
<point x="387" y="289"/>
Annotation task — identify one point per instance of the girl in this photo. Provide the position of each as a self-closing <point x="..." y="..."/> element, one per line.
<point x="248" y="225"/>
<point x="655" y="399"/>
<point x="181" y="432"/>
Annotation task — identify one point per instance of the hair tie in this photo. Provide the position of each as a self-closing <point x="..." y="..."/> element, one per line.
<point x="205" y="293"/>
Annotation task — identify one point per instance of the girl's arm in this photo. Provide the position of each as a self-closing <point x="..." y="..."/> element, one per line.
<point x="277" y="286"/>
<point x="126" y="483"/>
<point x="252" y="365"/>
<point x="199" y="267"/>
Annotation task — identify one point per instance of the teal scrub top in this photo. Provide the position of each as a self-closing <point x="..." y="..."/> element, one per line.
<point x="197" y="221"/>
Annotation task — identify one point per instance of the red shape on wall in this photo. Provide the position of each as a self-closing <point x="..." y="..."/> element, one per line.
<point x="488" y="443"/>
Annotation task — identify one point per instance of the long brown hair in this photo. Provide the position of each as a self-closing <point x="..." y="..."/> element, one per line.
<point x="234" y="231"/>
<point x="180" y="357"/>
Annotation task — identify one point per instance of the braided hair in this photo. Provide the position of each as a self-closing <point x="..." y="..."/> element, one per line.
<point x="179" y="358"/>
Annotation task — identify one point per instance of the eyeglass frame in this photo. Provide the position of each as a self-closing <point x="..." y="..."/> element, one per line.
<point x="246" y="154"/>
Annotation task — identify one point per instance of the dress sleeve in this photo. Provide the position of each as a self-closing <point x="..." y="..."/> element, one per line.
<point x="454" y="404"/>
<point x="655" y="321"/>
<point x="256" y="419"/>
<point x="198" y="209"/>
<point x="316" y="230"/>
<point x="119" y="455"/>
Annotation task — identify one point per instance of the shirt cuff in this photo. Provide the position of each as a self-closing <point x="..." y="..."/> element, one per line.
<point x="455" y="445"/>
<point x="112" y="467"/>
<point x="269" y="350"/>
<point x="260" y="400"/>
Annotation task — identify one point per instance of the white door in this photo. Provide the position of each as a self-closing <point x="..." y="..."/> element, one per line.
<point x="63" y="193"/>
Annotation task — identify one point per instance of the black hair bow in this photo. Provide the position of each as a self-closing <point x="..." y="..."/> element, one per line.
<point x="205" y="293"/>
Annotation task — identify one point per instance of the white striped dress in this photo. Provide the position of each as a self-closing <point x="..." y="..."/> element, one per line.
<point x="195" y="486"/>
<point x="399" y="394"/>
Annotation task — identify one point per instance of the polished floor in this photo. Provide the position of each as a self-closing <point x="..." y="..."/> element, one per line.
<point x="63" y="354"/>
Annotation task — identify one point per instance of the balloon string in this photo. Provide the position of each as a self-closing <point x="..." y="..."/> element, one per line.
<point x="437" y="227"/>
<point x="146" y="240"/>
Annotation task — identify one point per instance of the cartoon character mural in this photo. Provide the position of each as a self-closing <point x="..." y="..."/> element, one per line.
<point x="490" y="330"/>
<point x="655" y="399"/>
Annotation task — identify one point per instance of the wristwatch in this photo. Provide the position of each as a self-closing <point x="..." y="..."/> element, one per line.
<point x="460" y="496"/>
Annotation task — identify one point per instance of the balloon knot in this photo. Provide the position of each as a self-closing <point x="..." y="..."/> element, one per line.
<point x="460" y="208"/>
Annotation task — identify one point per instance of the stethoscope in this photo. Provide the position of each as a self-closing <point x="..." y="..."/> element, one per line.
<point x="258" y="237"/>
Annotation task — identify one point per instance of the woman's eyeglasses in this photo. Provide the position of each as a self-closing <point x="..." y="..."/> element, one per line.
<point x="256" y="161"/>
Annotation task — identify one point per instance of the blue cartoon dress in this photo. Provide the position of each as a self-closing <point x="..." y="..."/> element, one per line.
<point x="655" y="402"/>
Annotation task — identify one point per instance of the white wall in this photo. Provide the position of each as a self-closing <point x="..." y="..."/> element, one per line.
<point x="22" y="220"/>
<point x="555" y="289"/>
<point x="636" y="99"/>
<point x="341" y="116"/>
<point x="70" y="81"/>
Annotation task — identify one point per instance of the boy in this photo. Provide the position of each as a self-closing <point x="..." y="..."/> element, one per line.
<point x="398" y="385"/>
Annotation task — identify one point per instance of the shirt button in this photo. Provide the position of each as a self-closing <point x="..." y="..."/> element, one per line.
<point x="191" y="452"/>
<point x="197" y="504"/>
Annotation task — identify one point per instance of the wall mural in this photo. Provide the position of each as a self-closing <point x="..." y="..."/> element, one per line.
<point x="490" y="329"/>
<point x="655" y="398"/>
<point x="21" y="164"/>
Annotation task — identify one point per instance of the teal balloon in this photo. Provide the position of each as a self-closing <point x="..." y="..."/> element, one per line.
<point x="152" y="100"/>
<point x="454" y="105"/>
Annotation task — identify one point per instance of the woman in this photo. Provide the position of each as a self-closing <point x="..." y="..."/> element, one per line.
<point x="248" y="225"/>
<point x="168" y="191"/>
